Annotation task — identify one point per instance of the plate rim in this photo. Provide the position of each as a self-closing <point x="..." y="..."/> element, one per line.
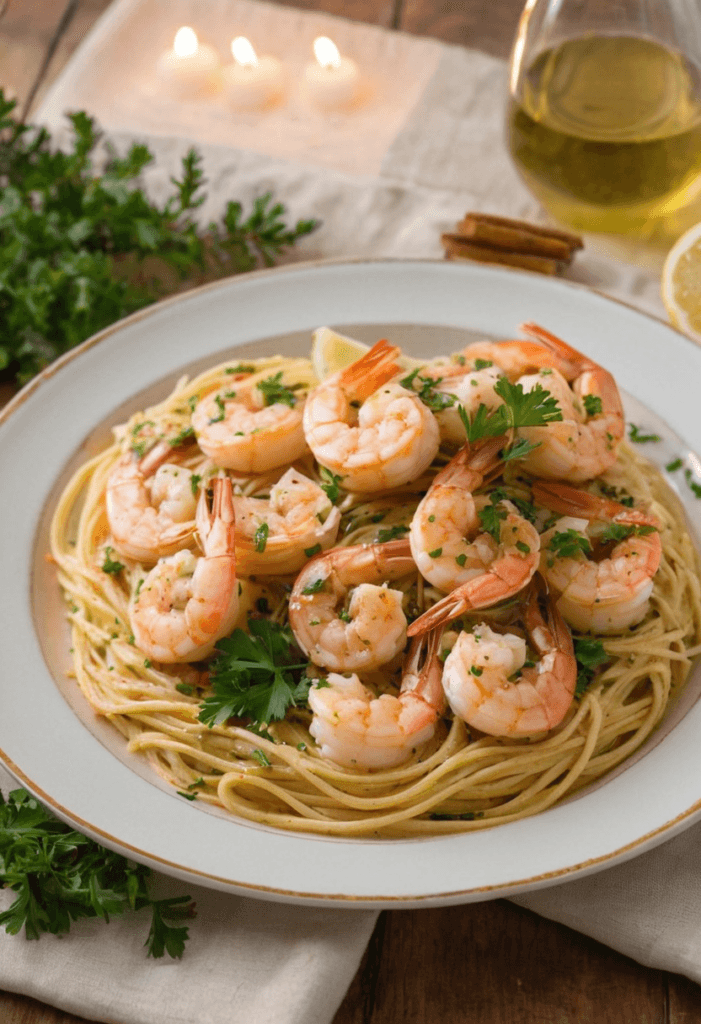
<point x="627" y="851"/>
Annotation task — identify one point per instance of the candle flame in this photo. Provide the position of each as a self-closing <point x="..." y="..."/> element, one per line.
<point x="243" y="52"/>
<point x="185" y="43"/>
<point x="326" y="52"/>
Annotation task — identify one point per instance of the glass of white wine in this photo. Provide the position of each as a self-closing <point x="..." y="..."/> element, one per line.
<point x="604" y="118"/>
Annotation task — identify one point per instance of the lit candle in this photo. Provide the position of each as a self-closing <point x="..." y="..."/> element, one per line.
<point x="191" y="68"/>
<point x="251" y="82"/>
<point x="331" y="81"/>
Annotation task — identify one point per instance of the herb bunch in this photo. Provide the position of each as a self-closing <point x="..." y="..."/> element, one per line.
<point x="81" y="249"/>
<point x="61" y="876"/>
<point x="255" y="676"/>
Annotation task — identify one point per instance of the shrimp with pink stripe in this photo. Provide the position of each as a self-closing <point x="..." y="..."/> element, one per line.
<point x="355" y="728"/>
<point x="343" y="614"/>
<point x="366" y="428"/>
<point x="600" y="559"/>
<point x="478" y="549"/>
<point x="492" y="685"/>
<point x="150" y="503"/>
<point x="188" y="602"/>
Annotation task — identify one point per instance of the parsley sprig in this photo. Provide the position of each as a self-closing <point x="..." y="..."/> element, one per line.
<point x="435" y="400"/>
<point x="520" y="409"/>
<point x="253" y="676"/>
<point x="73" y="241"/>
<point x="590" y="655"/>
<point x="61" y="876"/>
<point x="274" y="391"/>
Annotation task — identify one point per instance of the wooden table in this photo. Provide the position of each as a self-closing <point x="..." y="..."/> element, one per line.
<point x="485" y="963"/>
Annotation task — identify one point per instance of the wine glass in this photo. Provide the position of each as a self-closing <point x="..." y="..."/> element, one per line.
<point x="604" y="117"/>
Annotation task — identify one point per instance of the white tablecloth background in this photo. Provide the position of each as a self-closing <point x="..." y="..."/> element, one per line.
<point x="385" y="180"/>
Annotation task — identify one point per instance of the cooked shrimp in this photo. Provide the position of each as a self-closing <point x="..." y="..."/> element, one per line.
<point x="360" y="633"/>
<point x="478" y="675"/>
<point x="278" y="534"/>
<point x="451" y="547"/>
<point x="368" y="429"/>
<point x="585" y="442"/>
<point x="355" y="728"/>
<point x="147" y="525"/>
<point x="186" y="603"/>
<point x="242" y="427"/>
<point x="610" y="593"/>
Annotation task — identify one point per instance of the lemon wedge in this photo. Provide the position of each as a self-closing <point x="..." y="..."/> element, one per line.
<point x="681" y="283"/>
<point x="332" y="352"/>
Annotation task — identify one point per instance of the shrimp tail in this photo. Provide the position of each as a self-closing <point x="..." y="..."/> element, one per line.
<point x="572" y="362"/>
<point x="363" y="377"/>
<point x="474" y="465"/>
<point x="570" y="501"/>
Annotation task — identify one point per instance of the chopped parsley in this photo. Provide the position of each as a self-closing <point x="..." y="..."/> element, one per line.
<point x="675" y="464"/>
<point x="329" y="483"/>
<point x="435" y="400"/>
<point x="695" y="488"/>
<point x="590" y="655"/>
<point x="219" y="402"/>
<point x="621" y="531"/>
<point x="310" y="552"/>
<point x="186" y="434"/>
<point x="261" y="537"/>
<point x="262" y="758"/>
<point x="635" y="434"/>
<point x="569" y="544"/>
<point x="110" y="565"/>
<point x="391" y="533"/>
<point x="315" y="587"/>
<point x="492" y="516"/>
<point x="592" y="405"/>
<point x="274" y="391"/>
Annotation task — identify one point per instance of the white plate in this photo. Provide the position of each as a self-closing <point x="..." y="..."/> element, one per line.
<point x="75" y="762"/>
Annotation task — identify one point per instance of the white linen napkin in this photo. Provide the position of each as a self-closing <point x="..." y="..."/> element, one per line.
<point x="255" y="961"/>
<point x="246" y="962"/>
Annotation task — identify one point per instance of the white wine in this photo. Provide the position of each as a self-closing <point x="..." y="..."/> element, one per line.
<point x="607" y="133"/>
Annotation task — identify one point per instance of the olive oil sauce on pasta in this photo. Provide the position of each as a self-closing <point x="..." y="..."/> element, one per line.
<point x="607" y="133"/>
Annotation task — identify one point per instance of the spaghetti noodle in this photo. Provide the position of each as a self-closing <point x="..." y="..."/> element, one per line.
<point x="460" y="779"/>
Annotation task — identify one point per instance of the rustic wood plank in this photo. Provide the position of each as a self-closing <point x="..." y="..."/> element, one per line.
<point x="374" y="12"/>
<point x="27" y="34"/>
<point x="684" y="1000"/>
<point x="16" y="1009"/>
<point x="359" y="1003"/>
<point x="490" y="28"/>
<point x="495" y="963"/>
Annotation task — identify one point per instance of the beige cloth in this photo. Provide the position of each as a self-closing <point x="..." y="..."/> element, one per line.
<point x="405" y="179"/>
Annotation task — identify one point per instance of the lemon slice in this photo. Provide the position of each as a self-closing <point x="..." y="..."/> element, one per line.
<point x="681" y="283"/>
<point x="332" y="352"/>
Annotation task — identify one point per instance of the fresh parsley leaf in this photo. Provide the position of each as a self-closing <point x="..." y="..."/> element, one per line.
<point x="261" y="537"/>
<point x="60" y="876"/>
<point x="636" y="434"/>
<point x="491" y="517"/>
<point x="110" y="565"/>
<point x="330" y="483"/>
<point x="391" y="533"/>
<point x="435" y="400"/>
<point x="520" y="409"/>
<point x="315" y="587"/>
<point x="592" y="405"/>
<point x="621" y="531"/>
<point x="274" y="391"/>
<point x="253" y="676"/>
<point x="569" y="544"/>
<point x="590" y="655"/>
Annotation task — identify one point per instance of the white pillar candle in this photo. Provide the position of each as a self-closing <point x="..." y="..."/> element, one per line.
<point x="251" y="82"/>
<point x="191" y="68"/>
<point x="331" y="81"/>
